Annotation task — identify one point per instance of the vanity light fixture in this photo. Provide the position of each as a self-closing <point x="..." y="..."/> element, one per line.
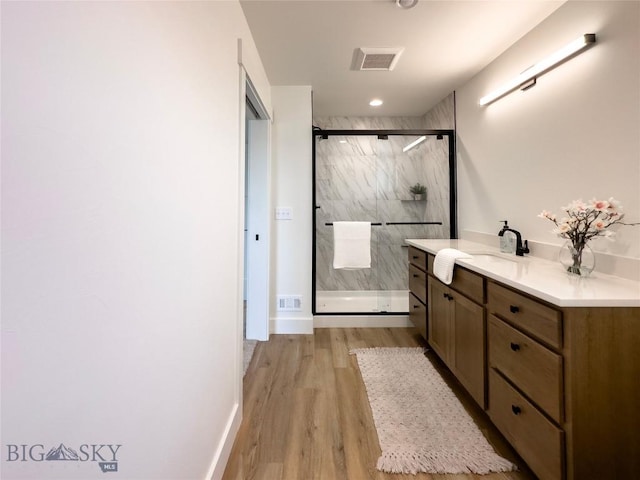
<point x="527" y="79"/>
<point x="376" y="102"/>
<point x="414" y="143"/>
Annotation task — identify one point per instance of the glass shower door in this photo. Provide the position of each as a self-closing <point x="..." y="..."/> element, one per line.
<point x="345" y="191"/>
<point x="368" y="178"/>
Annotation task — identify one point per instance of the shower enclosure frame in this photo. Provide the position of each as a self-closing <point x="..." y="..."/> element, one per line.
<point x="381" y="134"/>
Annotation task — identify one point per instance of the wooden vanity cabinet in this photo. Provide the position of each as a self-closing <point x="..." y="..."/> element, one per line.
<point x="439" y="313"/>
<point x="418" y="290"/>
<point x="457" y="328"/>
<point x="469" y="346"/>
<point x="526" y="378"/>
<point x="562" y="384"/>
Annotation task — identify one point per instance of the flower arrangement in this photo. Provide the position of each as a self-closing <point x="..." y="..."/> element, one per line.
<point x="582" y="222"/>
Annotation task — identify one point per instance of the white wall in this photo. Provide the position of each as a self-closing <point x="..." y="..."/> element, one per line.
<point x="576" y="134"/>
<point x="121" y="238"/>
<point x="292" y="187"/>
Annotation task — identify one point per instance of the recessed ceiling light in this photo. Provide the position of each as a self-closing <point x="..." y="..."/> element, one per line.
<point x="376" y="102"/>
<point x="406" y="3"/>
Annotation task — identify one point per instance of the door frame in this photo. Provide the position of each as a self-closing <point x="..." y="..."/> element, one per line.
<point x="255" y="184"/>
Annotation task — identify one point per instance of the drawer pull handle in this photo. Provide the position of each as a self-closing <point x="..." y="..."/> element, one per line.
<point x="415" y="275"/>
<point x="447" y="296"/>
<point x="416" y="306"/>
<point x="514" y="309"/>
<point x="515" y="347"/>
<point x="415" y="257"/>
<point x="516" y="410"/>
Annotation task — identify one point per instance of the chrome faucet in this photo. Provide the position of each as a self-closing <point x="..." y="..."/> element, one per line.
<point x="521" y="248"/>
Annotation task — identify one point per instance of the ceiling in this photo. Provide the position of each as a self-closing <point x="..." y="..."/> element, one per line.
<point x="446" y="43"/>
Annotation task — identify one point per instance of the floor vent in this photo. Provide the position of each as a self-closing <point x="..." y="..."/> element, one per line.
<point x="377" y="58"/>
<point x="289" y="303"/>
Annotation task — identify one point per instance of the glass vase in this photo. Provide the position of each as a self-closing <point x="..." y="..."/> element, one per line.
<point x="577" y="259"/>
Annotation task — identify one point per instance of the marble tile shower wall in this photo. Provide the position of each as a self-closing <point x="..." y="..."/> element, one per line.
<point x="441" y="116"/>
<point x="368" y="179"/>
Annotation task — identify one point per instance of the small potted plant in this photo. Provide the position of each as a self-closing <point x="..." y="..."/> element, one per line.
<point x="418" y="191"/>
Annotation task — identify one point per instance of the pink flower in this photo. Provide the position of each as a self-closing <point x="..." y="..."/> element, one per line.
<point x="576" y="205"/>
<point x="547" y="214"/>
<point x="599" y="205"/>
<point x="614" y="204"/>
<point x="585" y="221"/>
<point x="562" y="228"/>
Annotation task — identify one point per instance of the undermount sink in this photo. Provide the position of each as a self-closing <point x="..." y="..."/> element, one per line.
<point x="505" y="263"/>
<point x="494" y="257"/>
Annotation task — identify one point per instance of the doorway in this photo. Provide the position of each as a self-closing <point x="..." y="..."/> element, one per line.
<point x="256" y="218"/>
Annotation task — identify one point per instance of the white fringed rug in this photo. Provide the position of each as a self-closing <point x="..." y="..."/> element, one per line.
<point x="421" y="425"/>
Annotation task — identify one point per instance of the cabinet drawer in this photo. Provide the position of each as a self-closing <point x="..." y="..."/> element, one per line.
<point x="541" y="321"/>
<point x="536" y="439"/>
<point x="418" y="283"/>
<point x="533" y="368"/>
<point x="418" y="315"/>
<point x="469" y="284"/>
<point x="464" y="281"/>
<point x="418" y="258"/>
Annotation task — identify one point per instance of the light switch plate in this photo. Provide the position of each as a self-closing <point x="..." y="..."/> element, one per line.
<point x="284" y="213"/>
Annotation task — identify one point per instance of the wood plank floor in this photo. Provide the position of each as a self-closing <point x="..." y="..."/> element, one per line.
<point x="307" y="416"/>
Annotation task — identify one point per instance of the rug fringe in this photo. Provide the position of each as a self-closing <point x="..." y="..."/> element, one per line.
<point x="414" y="463"/>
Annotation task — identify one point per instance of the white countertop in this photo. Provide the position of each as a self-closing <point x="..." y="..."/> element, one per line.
<point x="541" y="278"/>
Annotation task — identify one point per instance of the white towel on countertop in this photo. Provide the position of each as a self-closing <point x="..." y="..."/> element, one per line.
<point x="444" y="263"/>
<point x="351" y="245"/>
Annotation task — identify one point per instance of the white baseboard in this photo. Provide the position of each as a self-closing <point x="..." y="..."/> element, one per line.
<point x="300" y="325"/>
<point x="222" y="453"/>
<point x="361" y="321"/>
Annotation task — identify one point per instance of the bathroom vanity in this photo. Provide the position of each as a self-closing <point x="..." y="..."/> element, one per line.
<point x="553" y="360"/>
<point x="418" y="289"/>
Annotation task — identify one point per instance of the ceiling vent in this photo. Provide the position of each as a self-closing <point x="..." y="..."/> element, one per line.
<point x="377" y="58"/>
